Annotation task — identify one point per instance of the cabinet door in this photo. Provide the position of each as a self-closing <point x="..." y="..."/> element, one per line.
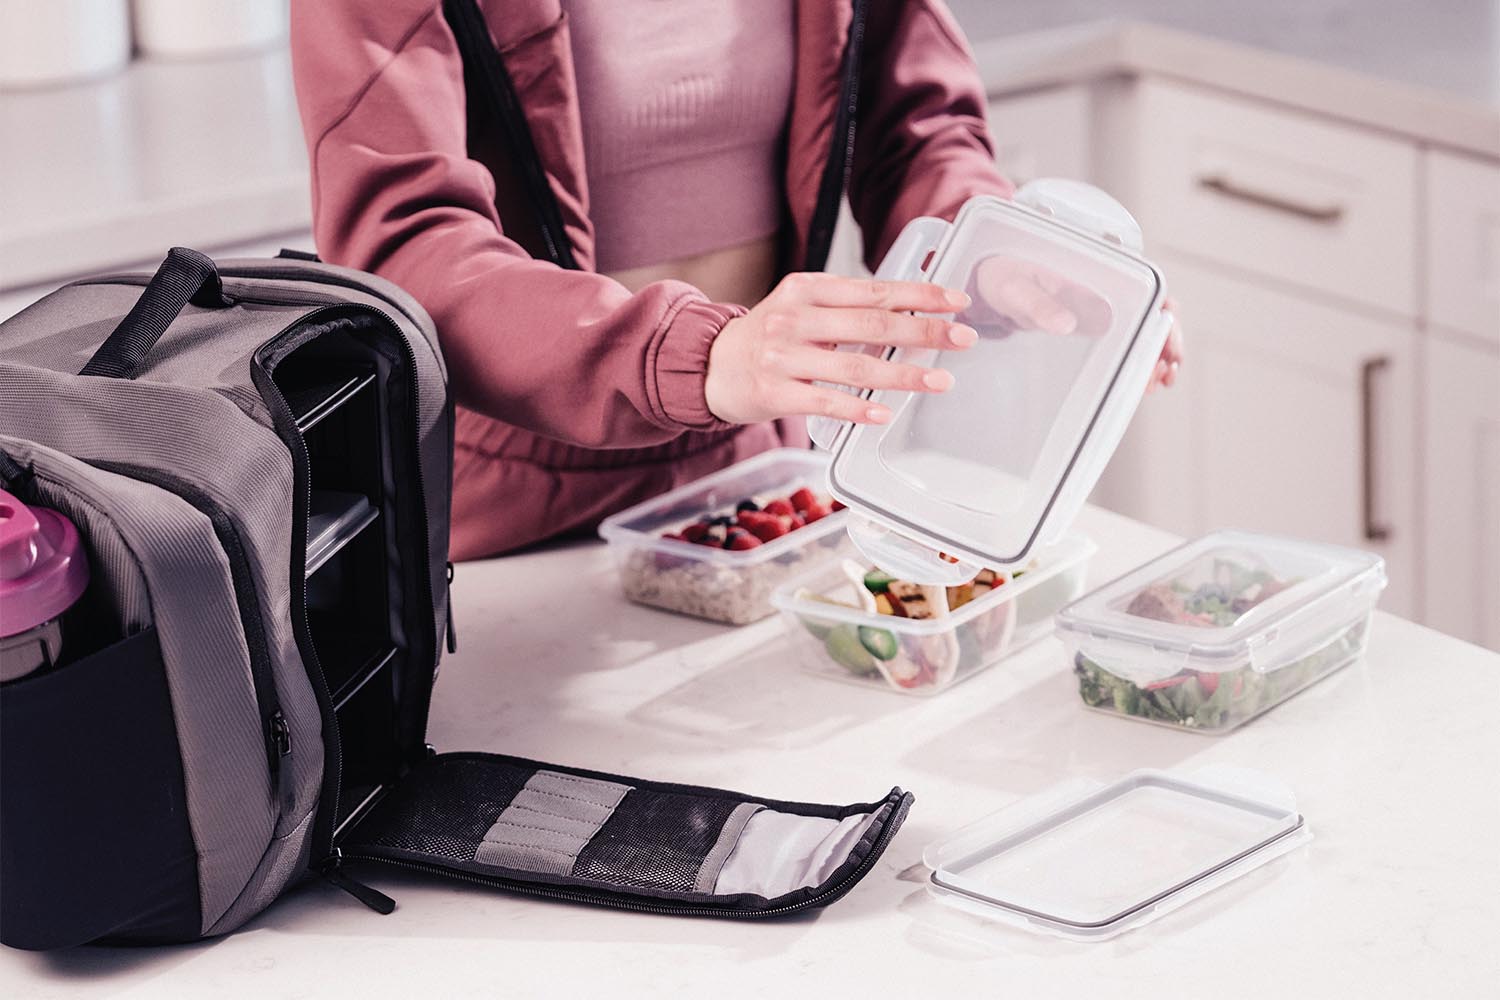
<point x="1461" y="475"/>
<point x="1289" y="416"/>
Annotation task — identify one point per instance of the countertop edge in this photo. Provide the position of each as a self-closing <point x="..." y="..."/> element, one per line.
<point x="1100" y="49"/>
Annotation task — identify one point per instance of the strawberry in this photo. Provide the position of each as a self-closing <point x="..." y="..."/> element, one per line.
<point x="836" y="505"/>
<point x="740" y="539"/>
<point x="696" y="532"/>
<point x="781" y="508"/>
<point x="804" y="498"/>
<point x="815" y="512"/>
<point x="798" y="521"/>
<point x="1209" y="683"/>
<point x="748" y="519"/>
<point x="769" y="529"/>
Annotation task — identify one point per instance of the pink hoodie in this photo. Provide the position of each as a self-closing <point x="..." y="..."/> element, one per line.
<point x="576" y="397"/>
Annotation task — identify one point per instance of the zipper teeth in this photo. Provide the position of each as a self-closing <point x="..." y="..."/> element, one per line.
<point x="428" y="621"/>
<point x="877" y="850"/>
<point x="247" y="599"/>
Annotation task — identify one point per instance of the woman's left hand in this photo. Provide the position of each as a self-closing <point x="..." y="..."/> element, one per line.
<point x="1029" y="295"/>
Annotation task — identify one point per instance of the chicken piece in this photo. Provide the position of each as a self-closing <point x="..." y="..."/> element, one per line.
<point x="960" y="595"/>
<point x="910" y="600"/>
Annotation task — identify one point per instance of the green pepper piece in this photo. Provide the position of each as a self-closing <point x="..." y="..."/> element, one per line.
<point x="878" y="581"/>
<point x="880" y="642"/>
<point x="848" y="652"/>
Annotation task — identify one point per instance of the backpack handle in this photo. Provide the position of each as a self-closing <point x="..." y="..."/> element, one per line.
<point x="184" y="276"/>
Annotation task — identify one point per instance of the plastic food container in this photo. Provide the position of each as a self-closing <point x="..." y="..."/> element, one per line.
<point x="1221" y="629"/>
<point x="43" y="572"/>
<point x="716" y="583"/>
<point x="925" y="656"/>
<point x="1090" y="861"/>
<point x="998" y="467"/>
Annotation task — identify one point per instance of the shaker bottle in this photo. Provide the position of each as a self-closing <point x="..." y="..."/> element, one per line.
<point x="43" y="571"/>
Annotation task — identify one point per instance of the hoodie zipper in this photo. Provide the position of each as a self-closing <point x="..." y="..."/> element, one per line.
<point x="841" y="147"/>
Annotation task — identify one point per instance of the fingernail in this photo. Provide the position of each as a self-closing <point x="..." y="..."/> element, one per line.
<point x="878" y="414"/>
<point x="962" y="336"/>
<point x="956" y="299"/>
<point x="938" y="380"/>
<point x="1064" y="322"/>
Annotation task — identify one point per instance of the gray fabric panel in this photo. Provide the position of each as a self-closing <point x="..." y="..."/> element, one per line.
<point x="230" y="807"/>
<point x="729" y="837"/>
<point x="549" y="822"/>
<point x="286" y="858"/>
<point x="779" y="852"/>
<point x="113" y="573"/>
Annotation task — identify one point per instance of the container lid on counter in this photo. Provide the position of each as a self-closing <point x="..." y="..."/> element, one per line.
<point x="1001" y="463"/>
<point x="1089" y="861"/>
<point x="1224" y="600"/>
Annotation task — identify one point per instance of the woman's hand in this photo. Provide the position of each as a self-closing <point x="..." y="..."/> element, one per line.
<point x="1171" y="353"/>
<point x="1031" y="296"/>
<point x="762" y="365"/>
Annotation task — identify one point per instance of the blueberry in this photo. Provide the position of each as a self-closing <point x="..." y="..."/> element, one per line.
<point x="722" y="522"/>
<point x="747" y="505"/>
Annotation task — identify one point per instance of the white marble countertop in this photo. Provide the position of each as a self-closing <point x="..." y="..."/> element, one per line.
<point x="210" y="154"/>
<point x="1394" y="761"/>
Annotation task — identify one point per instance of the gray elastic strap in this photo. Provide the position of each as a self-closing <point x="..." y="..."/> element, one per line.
<point x="549" y="822"/>
<point x="729" y="836"/>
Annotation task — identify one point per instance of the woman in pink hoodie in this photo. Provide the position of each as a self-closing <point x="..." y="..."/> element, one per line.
<point x="613" y="210"/>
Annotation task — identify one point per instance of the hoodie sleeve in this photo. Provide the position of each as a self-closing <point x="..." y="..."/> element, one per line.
<point x="922" y="146"/>
<point x="568" y="354"/>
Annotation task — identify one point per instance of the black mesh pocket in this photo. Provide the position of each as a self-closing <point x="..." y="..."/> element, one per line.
<point x="655" y="840"/>
<point x="443" y="808"/>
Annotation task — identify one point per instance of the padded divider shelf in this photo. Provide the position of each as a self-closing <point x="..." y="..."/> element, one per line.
<point x="314" y="393"/>
<point x="334" y="518"/>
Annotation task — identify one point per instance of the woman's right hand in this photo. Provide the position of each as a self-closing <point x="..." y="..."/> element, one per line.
<point x="763" y="365"/>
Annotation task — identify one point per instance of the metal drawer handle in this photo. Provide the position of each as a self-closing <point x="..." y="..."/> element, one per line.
<point x="1376" y="530"/>
<point x="1327" y="213"/>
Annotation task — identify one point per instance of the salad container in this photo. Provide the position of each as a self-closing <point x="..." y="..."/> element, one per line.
<point x="1217" y="631"/>
<point x="833" y="636"/>
<point x="710" y="581"/>
<point x="997" y="467"/>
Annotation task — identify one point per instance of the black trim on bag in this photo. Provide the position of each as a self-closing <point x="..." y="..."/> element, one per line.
<point x="95" y="840"/>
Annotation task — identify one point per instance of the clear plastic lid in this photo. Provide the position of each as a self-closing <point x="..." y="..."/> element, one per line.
<point x="1090" y="861"/>
<point x="1227" y="599"/>
<point x="1001" y="463"/>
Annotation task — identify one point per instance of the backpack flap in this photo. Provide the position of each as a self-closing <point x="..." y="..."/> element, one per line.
<point x="598" y="838"/>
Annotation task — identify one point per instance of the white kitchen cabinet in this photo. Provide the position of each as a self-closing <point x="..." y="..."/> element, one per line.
<point x="1044" y="133"/>
<point x="1461" y="476"/>
<point x="1290" y="416"/>
<point x="1303" y="201"/>
<point x="1463" y="245"/>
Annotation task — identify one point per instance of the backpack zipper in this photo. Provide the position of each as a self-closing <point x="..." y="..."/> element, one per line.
<point x="275" y="730"/>
<point x="286" y="428"/>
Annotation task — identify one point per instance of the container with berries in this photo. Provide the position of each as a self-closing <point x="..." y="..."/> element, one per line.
<point x="717" y="547"/>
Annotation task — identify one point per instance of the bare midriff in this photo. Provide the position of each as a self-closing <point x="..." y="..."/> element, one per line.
<point x="741" y="275"/>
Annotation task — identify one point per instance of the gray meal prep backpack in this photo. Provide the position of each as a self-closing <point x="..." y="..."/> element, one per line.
<point x="258" y="457"/>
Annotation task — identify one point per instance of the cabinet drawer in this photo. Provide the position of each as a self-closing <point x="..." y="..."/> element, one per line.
<point x="1463" y="241"/>
<point x="1310" y="202"/>
<point x="1042" y="134"/>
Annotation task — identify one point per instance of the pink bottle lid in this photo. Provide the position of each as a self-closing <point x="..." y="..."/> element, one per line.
<point x="43" y="568"/>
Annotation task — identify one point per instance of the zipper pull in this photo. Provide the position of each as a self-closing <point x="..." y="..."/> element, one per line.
<point x="452" y="635"/>
<point x="278" y="740"/>
<point x="332" y="872"/>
